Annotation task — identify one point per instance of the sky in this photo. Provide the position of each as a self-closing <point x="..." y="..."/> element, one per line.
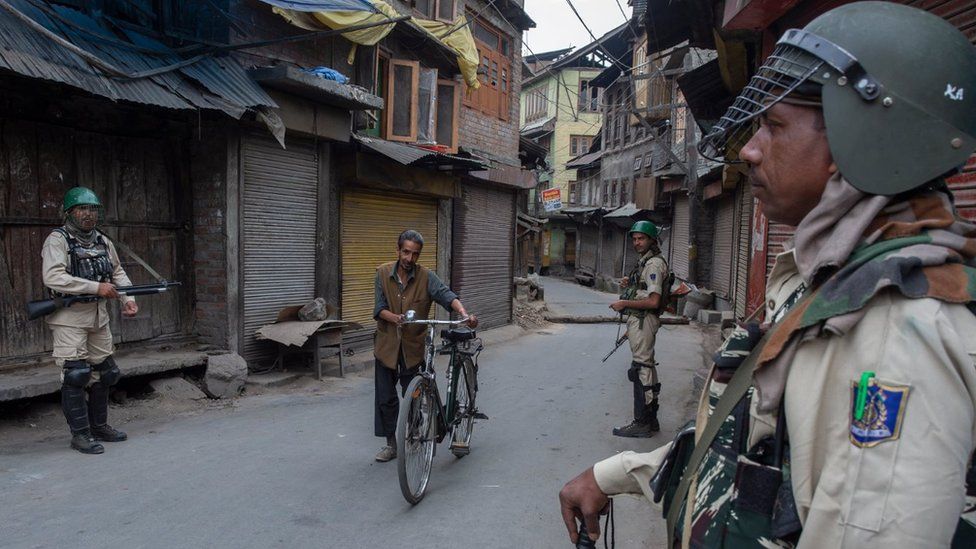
<point x="557" y="27"/>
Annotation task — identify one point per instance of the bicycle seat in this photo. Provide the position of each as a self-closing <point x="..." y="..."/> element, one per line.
<point x="456" y="335"/>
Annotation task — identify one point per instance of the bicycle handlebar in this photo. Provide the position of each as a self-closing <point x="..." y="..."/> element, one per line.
<point x="437" y="322"/>
<point x="411" y="314"/>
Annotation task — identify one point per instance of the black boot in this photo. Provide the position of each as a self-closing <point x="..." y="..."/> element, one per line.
<point x="636" y="429"/>
<point x="84" y="443"/>
<point x="98" y="414"/>
<point x="650" y="417"/>
<point x="76" y="413"/>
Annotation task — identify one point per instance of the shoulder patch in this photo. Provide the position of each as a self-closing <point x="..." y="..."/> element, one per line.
<point x="884" y="410"/>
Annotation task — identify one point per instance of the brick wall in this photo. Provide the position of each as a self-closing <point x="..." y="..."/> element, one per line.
<point x="208" y="173"/>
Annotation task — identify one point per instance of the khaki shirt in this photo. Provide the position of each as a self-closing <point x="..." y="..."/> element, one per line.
<point x="906" y="491"/>
<point x="54" y="267"/>
<point x="654" y="275"/>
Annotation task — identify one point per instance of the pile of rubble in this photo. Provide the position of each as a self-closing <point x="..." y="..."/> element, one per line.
<point x="529" y="315"/>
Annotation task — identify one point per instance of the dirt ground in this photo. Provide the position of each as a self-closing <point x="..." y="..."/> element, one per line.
<point x="40" y="419"/>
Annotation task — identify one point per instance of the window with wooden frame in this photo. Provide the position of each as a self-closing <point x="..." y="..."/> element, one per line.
<point x="536" y="104"/>
<point x="403" y="89"/>
<point x="448" y="113"/>
<point x="606" y="195"/>
<point x="494" y="71"/>
<point x="579" y="144"/>
<point x="572" y="192"/>
<point x="441" y="10"/>
<point x="589" y="96"/>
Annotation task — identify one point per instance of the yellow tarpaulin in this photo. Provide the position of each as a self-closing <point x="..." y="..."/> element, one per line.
<point x="460" y="41"/>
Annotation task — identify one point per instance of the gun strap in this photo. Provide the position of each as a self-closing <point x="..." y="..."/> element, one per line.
<point x="737" y="388"/>
<point x="128" y="251"/>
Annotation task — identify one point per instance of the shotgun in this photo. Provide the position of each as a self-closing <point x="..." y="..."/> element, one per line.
<point x="44" y="307"/>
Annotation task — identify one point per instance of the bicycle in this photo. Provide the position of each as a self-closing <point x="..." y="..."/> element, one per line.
<point x="424" y="421"/>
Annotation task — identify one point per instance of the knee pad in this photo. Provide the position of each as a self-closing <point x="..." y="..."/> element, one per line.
<point x="108" y="372"/>
<point x="77" y="373"/>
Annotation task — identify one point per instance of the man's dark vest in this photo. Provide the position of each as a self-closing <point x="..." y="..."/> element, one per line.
<point x="389" y="341"/>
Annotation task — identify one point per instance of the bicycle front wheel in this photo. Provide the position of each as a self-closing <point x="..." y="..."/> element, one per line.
<point x="467" y="389"/>
<point x="416" y="435"/>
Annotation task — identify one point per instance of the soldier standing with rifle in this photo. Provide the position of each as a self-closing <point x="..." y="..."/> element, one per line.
<point x="642" y="301"/>
<point x="80" y="260"/>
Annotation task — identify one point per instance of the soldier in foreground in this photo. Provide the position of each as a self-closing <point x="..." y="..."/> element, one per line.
<point x="642" y="301"/>
<point x="80" y="260"/>
<point x="851" y="422"/>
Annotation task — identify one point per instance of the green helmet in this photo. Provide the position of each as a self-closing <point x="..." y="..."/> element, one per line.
<point x="897" y="85"/>
<point x="645" y="227"/>
<point x="80" y="196"/>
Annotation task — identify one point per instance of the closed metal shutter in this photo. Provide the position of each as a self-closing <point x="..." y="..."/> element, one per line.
<point x="482" y="270"/>
<point x="743" y="218"/>
<point x="612" y="254"/>
<point x="722" y="246"/>
<point x="371" y="223"/>
<point x="279" y="211"/>
<point x="589" y="240"/>
<point x="679" y="237"/>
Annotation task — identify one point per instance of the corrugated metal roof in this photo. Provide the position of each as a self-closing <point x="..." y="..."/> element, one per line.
<point x="322" y="5"/>
<point x="215" y="84"/>
<point x="584" y="160"/>
<point x="409" y="155"/>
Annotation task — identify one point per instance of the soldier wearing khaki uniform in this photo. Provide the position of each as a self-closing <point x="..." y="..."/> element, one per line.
<point x="80" y="260"/>
<point x="642" y="301"/>
<point x="849" y="418"/>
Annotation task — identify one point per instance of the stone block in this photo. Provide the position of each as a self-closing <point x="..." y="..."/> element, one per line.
<point x="709" y="316"/>
<point x="226" y="375"/>
<point x="176" y="388"/>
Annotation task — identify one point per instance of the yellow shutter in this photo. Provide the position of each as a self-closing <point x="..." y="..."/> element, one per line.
<point x="371" y="223"/>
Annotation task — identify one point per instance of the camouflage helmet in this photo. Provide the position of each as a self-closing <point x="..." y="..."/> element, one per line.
<point x="80" y="196"/>
<point x="645" y="227"/>
<point x="897" y="86"/>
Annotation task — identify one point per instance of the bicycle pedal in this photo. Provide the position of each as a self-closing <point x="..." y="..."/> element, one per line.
<point x="479" y="415"/>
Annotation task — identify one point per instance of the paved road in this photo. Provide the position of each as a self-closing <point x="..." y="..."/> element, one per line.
<point x="297" y="470"/>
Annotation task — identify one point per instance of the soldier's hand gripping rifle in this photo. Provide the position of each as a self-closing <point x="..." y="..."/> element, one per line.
<point x="44" y="307"/>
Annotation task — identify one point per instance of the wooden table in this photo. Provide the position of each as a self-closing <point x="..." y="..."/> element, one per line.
<point x="329" y="337"/>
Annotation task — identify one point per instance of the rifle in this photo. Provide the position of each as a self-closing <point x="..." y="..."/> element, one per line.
<point x="44" y="307"/>
<point x="620" y="341"/>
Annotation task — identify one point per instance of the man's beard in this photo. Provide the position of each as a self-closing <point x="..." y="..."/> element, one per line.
<point x="78" y="231"/>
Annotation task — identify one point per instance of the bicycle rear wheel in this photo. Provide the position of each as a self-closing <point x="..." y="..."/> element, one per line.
<point x="467" y="389"/>
<point x="416" y="435"/>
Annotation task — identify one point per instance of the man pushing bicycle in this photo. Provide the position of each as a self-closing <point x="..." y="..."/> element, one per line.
<point x="400" y="286"/>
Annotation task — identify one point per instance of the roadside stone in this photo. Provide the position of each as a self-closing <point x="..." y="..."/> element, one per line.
<point x="176" y="388"/>
<point x="226" y="375"/>
<point x="708" y="316"/>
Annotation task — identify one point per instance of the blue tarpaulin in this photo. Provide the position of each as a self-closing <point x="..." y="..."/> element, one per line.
<point x="323" y="5"/>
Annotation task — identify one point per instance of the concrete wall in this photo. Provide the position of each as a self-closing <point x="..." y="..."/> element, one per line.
<point x="583" y="123"/>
